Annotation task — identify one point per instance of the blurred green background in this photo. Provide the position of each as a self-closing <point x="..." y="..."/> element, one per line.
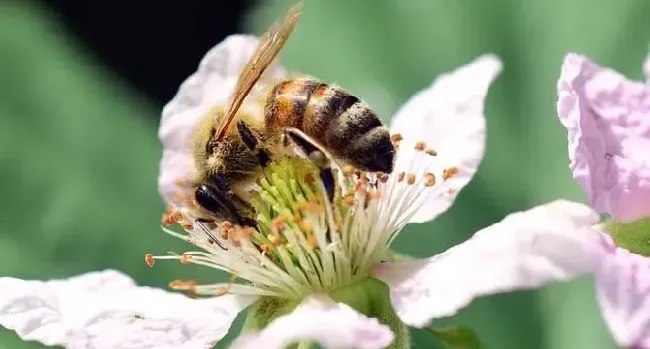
<point x="79" y="161"/>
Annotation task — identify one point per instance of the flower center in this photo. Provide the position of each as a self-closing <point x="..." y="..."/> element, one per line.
<point x="304" y="241"/>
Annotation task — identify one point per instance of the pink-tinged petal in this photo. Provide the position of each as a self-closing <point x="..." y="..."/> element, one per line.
<point x="209" y="87"/>
<point x="623" y="289"/>
<point x="319" y="319"/>
<point x="107" y="310"/>
<point x="526" y="250"/>
<point x="608" y="123"/>
<point x="448" y="116"/>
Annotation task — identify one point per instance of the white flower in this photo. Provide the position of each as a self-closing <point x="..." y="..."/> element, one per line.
<point x="440" y="135"/>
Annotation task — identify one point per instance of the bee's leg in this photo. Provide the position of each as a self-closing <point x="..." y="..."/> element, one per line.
<point x="223" y="203"/>
<point x="315" y="154"/>
<point x="250" y="140"/>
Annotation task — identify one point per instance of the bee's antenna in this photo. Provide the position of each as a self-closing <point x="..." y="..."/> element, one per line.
<point x="210" y="235"/>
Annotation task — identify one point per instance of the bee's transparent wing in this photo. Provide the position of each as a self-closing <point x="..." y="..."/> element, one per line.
<point x="269" y="46"/>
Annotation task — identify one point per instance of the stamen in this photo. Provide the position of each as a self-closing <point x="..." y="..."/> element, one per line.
<point x="400" y="176"/>
<point x="450" y="172"/>
<point x="410" y="179"/>
<point x="185" y="258"/>
<point x="384" y="177"/>
<point x="171" y="216"/>
<point x="148" y="258"/>
<point x="396" y="139"/>
<point x="348" y="170"/>
<point x="431" y="152"/>
<point x="429" y="179"/>
<point x="420" y="146"/>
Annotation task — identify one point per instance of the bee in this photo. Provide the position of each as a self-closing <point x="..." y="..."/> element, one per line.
<point x="232" y="146"/>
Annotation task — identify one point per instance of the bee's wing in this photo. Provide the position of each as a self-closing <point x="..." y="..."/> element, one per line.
<point x="270" y="45"/>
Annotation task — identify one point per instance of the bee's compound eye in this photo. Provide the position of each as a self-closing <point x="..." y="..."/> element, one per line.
<point x="216" y="202"/>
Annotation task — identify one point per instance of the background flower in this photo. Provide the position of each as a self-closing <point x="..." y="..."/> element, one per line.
<point x="79" y="199"/>
<point x="608" y="119"/>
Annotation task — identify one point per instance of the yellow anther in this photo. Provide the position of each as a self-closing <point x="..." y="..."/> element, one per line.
<point x="450" y="172"/>
<point x="410" y="179"/>
<point x="148" y="258"/>
<point x="429" y="179"/>
<point x="185" y="258"/>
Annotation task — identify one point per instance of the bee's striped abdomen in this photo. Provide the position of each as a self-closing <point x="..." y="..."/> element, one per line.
<point x="338" y="120"/>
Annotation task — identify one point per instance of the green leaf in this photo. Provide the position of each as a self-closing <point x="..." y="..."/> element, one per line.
<point x="633" y="236"/>
<point x="457" y="337"/>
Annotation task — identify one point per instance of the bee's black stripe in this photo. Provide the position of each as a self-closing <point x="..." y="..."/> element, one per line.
<point x="300" y="101"/>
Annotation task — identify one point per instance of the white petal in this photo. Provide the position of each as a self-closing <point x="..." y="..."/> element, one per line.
<point x="623" y="289"/>
<point x="106" y="310"/>
<point x="210" y="86"/>
<point x="448" y="116"/>
<point x="526" y="250"/>
<point x="333" y="325"/>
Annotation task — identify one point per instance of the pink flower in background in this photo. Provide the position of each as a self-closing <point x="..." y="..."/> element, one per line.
<point x="608" y="123"/>
<point x="608" y="119"/>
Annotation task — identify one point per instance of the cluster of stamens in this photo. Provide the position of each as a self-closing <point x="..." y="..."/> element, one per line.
<point x="304" y="242"/>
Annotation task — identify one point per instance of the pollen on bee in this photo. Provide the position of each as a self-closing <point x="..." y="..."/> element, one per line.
<point x="449" y="172"/>
<point x="431" y="152"/>
<point x="420" y="146"/>
<point x="148" y="258"/>
<point x="400" y="176"/>
<point x="429" y="179"/>
<point x="410" y="178"/>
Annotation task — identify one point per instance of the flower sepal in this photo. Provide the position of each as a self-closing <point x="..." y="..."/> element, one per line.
<point x="635" y="236"/>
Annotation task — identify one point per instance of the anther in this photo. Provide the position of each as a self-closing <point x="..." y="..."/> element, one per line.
<point x="396" y="138"/>
<point x="306" y="226"/>
<point x="185" y="258"/>
<point x="431" y="152"/>
<point x="450" y="172"/>
<point x="275" y="240"/>
<point x="429" y="179"/>
<point x="187" y="226"/>
<point x="279" y="223"/>
<point x="148" y="258"/>
<point x="311" y="241"/>
<point x="451" y="191"/>
<point x="410" y="178"/>
<point x="348" y="199"/>
<point x="400" y="176"/>
<point x="383" y="177"/>
<point x="171" y="216"/>
<point x="420" y="146"/>
<point x="348" y="170"/>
